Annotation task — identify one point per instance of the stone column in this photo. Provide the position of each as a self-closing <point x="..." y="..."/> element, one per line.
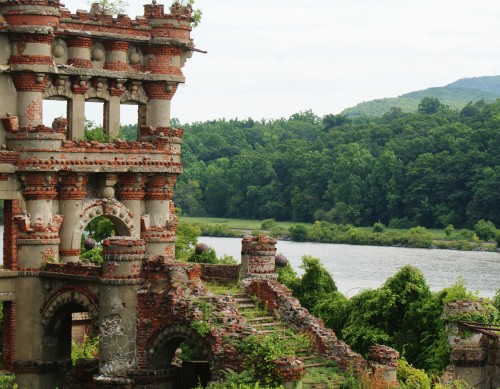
<point x="159" y="219"/>
<point x="257" y="257"/>
<point x="38" y="239"/>
<point x="116" y="56"/>
<point x="38" y="242"/>
<point x="79" y="52"/>
<point x="116" y="89"/>
<point x="30" y="87"/>
<point x="72" y="191"/>
<point x="160" y="95"/>
<point x="130" y="192"/>
<point x="122" y="267"/>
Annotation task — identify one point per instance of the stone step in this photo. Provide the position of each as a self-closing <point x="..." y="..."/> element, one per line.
<point x="314" y="365"/>
<point x="260" y="318"/>
<point x="246" y="306"/>
<point x="268" y="324"/>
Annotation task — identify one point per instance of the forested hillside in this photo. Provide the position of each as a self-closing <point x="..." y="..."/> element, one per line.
<point x="455" y="95"/>
<point x="432" y="168"/>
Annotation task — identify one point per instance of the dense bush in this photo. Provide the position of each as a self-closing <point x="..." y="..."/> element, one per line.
<point x="485" y="230"/>
<point x="412" y="378"/>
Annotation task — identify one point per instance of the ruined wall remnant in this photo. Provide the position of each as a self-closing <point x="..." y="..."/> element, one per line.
<point x="54" y="182"/>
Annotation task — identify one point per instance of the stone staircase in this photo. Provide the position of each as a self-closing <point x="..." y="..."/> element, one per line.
<point x="318" y="374"/>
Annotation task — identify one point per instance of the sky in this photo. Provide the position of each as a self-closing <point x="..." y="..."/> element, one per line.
<point x="271" y="59"/>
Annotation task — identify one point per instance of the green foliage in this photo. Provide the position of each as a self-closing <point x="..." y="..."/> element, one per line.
<point x="412" y="378"/>
<point x="98" y="229"/>
<point x="449" y="230"/>
<point x="497" y="239"/>
<point x="419" y="237"/>
<point x="496" y="300"/>
<point x="93" y="132"/>
<point x="94" y="255"/>
<point x="196" y="13"/>
<point x="187" y="238"/>
<point x="378" y="227"/>
<point x="268" y="224"/>
<point x="7" y="381"/>
<point x="429" y="105"/>
<point x="485" y="230"/>
<point x="112" y="7"/>
<point x="210" y="256"/>
<point x="316" y="283"/>
<point x="87" y="349"/>
<point x="288" y="277"/>
<point x="298" y="233"/>
<point x="261" y="351"/>
<point x="402" y="169"/>
<point x="202" y="327"/>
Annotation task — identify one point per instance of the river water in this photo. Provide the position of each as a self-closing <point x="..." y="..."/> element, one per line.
<point x="360" y="267"/>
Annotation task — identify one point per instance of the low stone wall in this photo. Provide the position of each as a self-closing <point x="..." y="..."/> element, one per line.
<point x="220" y="274"/>
<point x="279" y="299"/>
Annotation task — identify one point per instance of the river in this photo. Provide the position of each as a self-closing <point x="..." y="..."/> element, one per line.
<point x="359" y="267"/>
<point x="355" y="268"/>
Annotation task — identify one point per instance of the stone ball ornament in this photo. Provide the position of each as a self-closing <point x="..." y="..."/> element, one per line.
<point x="280" y="260"/>
<point x="97" y="54"/>
<point x="108" y="192"/>
<point x="201" y="248"/>
<point x="58" y="51"/>
<point x="89" y="243"/>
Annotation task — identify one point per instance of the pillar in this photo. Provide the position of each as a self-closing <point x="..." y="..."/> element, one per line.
<point x="38" y="238"/>
<point x="130" y="192"/>
<point x="122" y="267"/>
<point x="257" y="257"/>
<point x="160" y="95"/>
<point x="159" y="220"/>
<point x="79" y="52"/>
<point x="30" y="87"/>
<point x="72" y="192"/>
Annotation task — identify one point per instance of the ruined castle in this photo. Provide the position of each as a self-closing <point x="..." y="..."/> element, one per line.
<point x="53" y="183"/>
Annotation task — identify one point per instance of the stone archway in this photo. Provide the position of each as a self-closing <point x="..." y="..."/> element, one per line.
<point x="162" y="347"/>
<point x="57" y="319"/>
<point x="116" y="212"/>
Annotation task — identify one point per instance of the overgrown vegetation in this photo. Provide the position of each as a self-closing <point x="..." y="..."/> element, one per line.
<point x="89" y="348"/>
<point x="403" y="313"/>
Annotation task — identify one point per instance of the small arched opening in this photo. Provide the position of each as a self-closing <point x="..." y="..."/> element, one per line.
<point x="70" y="320"/>
<point x="184" y="349"/>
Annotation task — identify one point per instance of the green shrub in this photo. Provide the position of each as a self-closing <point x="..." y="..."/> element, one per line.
<point x="87" y="349"/>
<point x="485" y="229"/>
<point x="402" y="223"/>
<point x="466" y="234"/>
<point x="449" y="230"/>
<point x="268" y="224"/>
<point x="7" y="381"/>
<point x="209" y="256"/>
<point x="412" y="378"/>
<point x="419" y="237"/>
<point x="496" y="300"/>
<point x="378" y="227"/>
<point x="298" y="233"/>
<point x="497" y="239"/>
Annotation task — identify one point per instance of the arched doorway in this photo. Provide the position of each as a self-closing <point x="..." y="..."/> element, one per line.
<point x="182" y="347"/>
<point x="70" y="317"/>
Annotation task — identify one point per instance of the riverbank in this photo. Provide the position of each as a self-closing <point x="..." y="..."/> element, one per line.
<point x="320" y="232"/>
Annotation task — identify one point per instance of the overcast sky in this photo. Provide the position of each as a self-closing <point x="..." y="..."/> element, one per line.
<point x="273" y="58"/>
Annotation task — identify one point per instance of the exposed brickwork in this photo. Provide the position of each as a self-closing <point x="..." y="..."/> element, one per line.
<point x="279" y="298"/>
<point x="10" y="211"/>
<point x="29" y="82"/>
<point x="8" y="335"/>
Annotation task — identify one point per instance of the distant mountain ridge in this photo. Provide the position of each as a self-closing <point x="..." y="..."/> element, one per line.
<point x="455" y="95"/>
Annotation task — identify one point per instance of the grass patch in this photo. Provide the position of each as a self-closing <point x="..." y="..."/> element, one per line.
<point x="219" y="289"/>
